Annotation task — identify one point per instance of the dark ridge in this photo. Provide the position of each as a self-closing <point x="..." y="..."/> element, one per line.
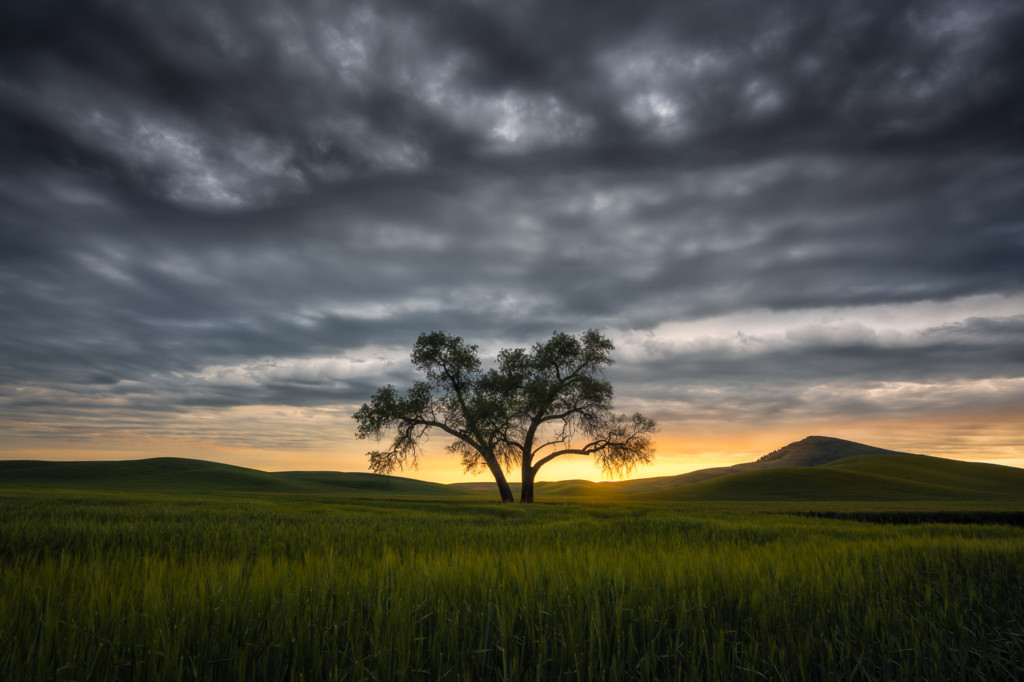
<point x="182" y="475"/>
<point x="903" y="518"/>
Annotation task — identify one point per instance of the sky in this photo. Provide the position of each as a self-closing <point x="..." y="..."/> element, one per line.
<point x="223" y="224"/>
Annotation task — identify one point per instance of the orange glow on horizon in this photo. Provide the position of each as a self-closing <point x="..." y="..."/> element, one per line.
<point x="995" y="438"/>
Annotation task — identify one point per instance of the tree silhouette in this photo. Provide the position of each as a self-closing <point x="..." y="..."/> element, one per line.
<point x="535" y="406"/>
<point x="563" y="406"/>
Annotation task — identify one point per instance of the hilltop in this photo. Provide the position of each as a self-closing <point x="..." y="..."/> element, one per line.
<point x="815" y="451"/>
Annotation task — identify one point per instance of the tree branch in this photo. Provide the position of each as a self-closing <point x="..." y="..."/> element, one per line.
<point x="585" y="450"/>
<point x="444" y="427"/>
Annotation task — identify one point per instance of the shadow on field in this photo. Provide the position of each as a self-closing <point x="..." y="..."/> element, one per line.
<point x="899" y="518"/>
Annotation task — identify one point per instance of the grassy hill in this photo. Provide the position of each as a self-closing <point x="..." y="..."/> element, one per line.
<point x="174" y="474"/>
<point x="861" y="478"/>
<point x="809" y="452"/>
<point x="576" y="488"/>
<point x="813" y="469"/>
<point x="333" y="481"/>
<point x="976" y="477"/>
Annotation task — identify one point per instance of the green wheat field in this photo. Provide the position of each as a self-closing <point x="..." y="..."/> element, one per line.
<point x="249" y="584"/>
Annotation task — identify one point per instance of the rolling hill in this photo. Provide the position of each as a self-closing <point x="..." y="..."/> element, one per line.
<point x="569" y="488"/>
<point x="174" y="474"/>
<point x="816" y="468"/>
<point x="811" y="451"/>
<point x="860" y="478"/>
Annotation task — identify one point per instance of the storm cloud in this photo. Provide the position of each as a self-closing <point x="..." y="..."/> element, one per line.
<point x="781" y="209"/>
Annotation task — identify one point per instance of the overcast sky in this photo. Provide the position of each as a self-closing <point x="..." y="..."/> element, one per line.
<point x="223" y="224"/>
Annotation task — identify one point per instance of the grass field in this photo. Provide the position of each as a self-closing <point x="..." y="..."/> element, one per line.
<point x="314" y="586"/>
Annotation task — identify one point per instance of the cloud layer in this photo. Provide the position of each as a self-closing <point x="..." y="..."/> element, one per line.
<point x="778" y="211"/>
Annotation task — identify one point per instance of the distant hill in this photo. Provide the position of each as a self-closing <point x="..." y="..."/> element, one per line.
<point x="815" y="468"/>
<point x="333" y="481"/>
<point x="175" y="474"/>
<point x="861" y="477"/>
<point x="811" y="451"/>
<point x="569" y="488"/>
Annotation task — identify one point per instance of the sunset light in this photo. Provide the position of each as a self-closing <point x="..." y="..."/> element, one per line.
<point x="503" y="340"/>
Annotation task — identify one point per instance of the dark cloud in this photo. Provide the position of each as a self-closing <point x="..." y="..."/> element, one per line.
<point x="974" y="350"/>
<point x="202" y="185"/>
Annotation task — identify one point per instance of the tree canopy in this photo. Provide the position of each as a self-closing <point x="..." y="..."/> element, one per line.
<point x="532" y="407"/>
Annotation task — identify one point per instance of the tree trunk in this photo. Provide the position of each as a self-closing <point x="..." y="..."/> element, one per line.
<point x="526" y="494"/>
<point x="506" y="491"/>
<point x="499" y="477"/>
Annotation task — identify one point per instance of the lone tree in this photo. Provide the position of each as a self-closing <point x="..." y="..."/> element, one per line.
<point x="532" y="408"/>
